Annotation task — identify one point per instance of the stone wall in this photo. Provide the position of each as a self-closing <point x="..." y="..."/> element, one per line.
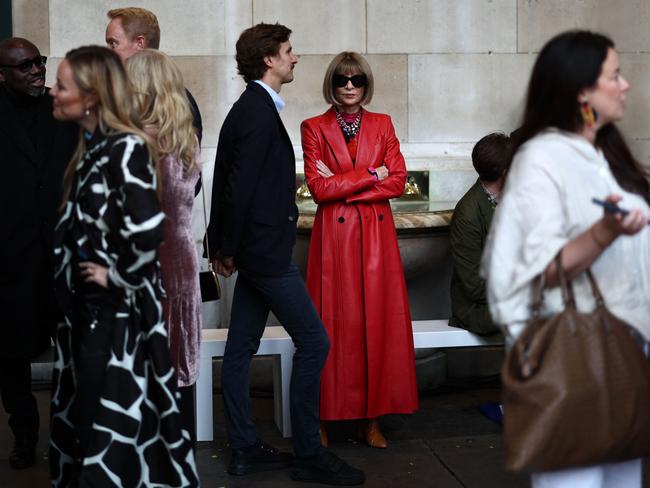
<point x="448" y="71"/>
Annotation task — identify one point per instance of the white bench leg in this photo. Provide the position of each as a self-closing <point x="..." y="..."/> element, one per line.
<point x="204" y="400"/>
<point x="282" y="367"/>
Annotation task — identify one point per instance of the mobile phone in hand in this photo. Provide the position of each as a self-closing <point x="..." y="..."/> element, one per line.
<point x="610" y="207"/>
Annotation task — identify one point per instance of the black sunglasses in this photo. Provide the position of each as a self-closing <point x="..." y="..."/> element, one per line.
<point x="357" y="80"/>
<point x="26" y="66"/>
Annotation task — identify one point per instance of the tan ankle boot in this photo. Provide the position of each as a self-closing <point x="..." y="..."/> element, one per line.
<point x="324" y="440"/>
<point x="373" y="435"/>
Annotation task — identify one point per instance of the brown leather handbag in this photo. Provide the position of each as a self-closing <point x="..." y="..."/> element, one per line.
<point x="576" y="388"/>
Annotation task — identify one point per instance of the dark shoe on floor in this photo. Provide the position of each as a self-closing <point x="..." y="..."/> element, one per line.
<point x="258" y="457"/>
<point x="23" y="455"/>
<point x="326" y="468"/>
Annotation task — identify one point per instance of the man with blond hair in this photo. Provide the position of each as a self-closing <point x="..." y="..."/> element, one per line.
<point x="132" y="29"/>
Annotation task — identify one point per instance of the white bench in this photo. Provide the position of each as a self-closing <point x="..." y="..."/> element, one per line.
<point x="276" y="342"/>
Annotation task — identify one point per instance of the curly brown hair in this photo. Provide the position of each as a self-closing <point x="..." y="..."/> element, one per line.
<point x="254" y="44"/>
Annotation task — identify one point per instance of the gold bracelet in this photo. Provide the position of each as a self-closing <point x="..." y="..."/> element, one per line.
<point x="593" y="236"/>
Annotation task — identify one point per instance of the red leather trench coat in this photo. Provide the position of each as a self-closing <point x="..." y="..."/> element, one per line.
<point x="354" y="272"/>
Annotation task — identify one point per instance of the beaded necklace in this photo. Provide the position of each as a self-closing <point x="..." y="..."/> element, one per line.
<point x="350" y="129"/>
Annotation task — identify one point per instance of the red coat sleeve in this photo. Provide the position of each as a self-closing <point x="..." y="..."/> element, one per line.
<point x="393" y="185"/>
<point x="337" y="187"/>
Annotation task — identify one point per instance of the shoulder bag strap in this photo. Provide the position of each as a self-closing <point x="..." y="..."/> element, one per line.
<point x="205" y="222"/>
<point x="567" y="290"/>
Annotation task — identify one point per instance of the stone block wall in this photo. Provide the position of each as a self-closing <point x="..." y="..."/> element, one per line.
<point x="448" y="71"/>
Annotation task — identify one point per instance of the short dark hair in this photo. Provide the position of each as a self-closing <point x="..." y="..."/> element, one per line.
<point x="490" y="156"/>
<point x="254" y="44"/>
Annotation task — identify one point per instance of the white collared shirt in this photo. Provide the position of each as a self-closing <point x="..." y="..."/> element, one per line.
<point x="545" y="203"/>
<point x="279" y="103"/>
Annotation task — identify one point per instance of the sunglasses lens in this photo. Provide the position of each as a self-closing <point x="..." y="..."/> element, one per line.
<point x="26" y="66"/>
<point x="357" y="80"/>
<point x="340" y="81"/>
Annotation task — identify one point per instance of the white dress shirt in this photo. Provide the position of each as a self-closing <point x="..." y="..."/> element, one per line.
<point x="279" y="103"/>
<point x="546" y="202"/>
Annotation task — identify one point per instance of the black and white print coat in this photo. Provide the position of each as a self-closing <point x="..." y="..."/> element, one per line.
<point x="113" y="217"/>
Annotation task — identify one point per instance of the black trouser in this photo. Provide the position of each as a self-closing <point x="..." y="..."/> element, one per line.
<point x="287" y="297"/>
<point x="186" y="408"/>
<point x="92" y="336"/>
<point x="17" y="398"/>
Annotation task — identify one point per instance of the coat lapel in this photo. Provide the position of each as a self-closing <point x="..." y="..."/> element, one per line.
<point x="335" y="140"/>
<point x="15" y="131"/>
<point x="47" y="131"/>
<point x="255" y="87"/>
<point x="367" y="141"/>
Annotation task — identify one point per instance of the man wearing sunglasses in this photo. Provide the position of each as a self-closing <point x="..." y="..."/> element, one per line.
<point x="35" y="150"/>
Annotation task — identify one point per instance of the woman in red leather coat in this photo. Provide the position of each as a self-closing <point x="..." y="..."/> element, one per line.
<point x="353" y="166"/>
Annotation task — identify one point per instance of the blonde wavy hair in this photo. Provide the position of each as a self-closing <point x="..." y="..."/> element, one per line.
<point x="98" y="70"/>
<point x="162" y="103"/>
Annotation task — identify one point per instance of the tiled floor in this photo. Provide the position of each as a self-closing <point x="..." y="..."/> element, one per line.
<point x="446" y="444"/>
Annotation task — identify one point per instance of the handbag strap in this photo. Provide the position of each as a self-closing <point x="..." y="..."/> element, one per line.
<point x="598" y="296"/>
<point x="566" y="287"/>
<point x="205" y="222"/>
<point x="538" y="294"/>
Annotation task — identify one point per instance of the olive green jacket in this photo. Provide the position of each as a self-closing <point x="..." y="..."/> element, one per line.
<point x="468" y="231"/>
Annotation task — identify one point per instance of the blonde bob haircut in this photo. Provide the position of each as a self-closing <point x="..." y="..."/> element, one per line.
<point x="161" y="101"/>
<point x="345" y="63"/>
<point x="99" y="71"/>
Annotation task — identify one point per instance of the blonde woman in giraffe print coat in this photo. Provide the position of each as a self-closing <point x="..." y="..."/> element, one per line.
<point x="115" y="419"/>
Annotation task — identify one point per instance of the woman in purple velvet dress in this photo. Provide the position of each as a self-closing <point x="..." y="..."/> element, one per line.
<point x="165" y="111"/>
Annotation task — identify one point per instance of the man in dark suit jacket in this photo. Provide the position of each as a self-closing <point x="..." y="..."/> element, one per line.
<point x="252" y="229"/>
<point x="35" y="150"/>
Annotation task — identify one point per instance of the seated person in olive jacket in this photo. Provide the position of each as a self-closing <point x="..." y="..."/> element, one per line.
<point x="468" y="231"/>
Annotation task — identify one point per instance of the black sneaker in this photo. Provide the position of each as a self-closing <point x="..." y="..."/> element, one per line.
<point x="23" y="454"/>
<point x="326" y="468"/>
<point x="258" y="457"/>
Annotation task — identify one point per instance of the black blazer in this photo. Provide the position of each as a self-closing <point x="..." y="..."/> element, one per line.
<point x="32" y="163"/>
<point x="254" y="212"/>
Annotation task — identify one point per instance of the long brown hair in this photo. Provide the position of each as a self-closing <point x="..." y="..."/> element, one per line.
<point x="99" y="71"/>
<point x="566" y="65"/>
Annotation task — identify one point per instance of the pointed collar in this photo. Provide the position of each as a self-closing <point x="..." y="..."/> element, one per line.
<point x="275" y="96"/>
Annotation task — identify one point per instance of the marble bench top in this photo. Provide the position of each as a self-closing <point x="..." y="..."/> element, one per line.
<point x="407" y="215"/>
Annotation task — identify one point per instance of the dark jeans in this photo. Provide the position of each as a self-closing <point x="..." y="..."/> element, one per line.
<point x="286" y="296"/>
<point x="17" y="398"/>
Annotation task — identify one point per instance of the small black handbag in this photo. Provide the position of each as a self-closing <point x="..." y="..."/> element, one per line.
<point x="210" y="289"/>
<point x="208" y="280"/>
